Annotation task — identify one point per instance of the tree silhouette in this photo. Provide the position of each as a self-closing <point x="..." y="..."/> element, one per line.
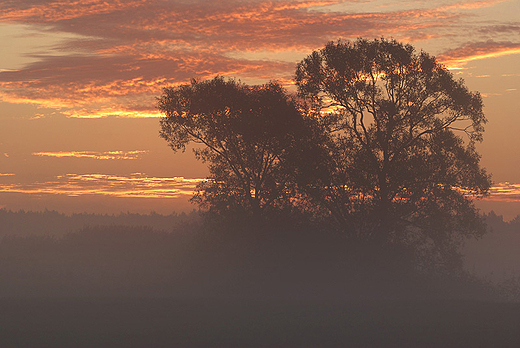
<point x="398" y="169"/>
<point x="244" y="133"/>
<point x="383" y="151"/>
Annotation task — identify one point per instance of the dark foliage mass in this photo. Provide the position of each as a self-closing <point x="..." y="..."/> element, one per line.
<point x="401" y="172"/>
<point x="379" y="147"/>
<point x="245" y="132"/>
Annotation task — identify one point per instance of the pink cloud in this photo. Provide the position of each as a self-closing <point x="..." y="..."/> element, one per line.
<point x="129" y="50"/>
<point x="478" y="50"/>
<point x="119" y="85"/>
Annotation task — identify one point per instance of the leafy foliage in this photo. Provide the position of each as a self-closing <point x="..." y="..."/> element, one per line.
<point x="400" y="171"/>
<point x="380" y="147"/>
<point x="244" y="132"/>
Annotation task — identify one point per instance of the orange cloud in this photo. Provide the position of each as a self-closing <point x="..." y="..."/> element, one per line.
<point x="504" y="191"/>
<point x="121" y="86"/>
<point x="134" y="186"/>
<point x="474" y="51"/>
<point x="140" y="185"/>
<point x="107" y="155"/>
<point x="124" y="52"/>
<point x="112" y="112"/>
<point x="55" y="10"/>
<point x="472" y="5"/>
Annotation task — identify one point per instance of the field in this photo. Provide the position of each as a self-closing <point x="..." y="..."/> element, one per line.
<point x="211" y="323"/>
<point x="123" y="286"/>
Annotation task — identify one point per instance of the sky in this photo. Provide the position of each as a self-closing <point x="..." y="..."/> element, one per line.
<point x="79" y="128"/>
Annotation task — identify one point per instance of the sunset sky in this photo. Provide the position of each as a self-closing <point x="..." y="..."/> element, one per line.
<point x="79" y="81"/>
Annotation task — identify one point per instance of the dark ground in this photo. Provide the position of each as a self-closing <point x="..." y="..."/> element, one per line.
<point x="121" y="286"/>
<point x="211" y="323"/>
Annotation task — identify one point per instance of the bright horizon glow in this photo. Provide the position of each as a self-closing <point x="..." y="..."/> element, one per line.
<point x="141" y="185"/>
<point x="135" y="186"/>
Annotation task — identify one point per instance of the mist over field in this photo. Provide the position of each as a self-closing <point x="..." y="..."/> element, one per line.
<point x="51" y="254"/>
<point x="128" y="280"/>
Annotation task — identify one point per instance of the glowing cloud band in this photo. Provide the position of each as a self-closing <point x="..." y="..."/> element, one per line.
<point x="139" y="185"/>
<point x="136" y="186"/>
<point x="107" y="155"/>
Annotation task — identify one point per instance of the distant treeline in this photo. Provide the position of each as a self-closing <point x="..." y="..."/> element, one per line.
<point x="54" y="255"/>
<point x="497" y="223"/>
<point x="101" y="261"/>
<point x="52" y="223"/>
<point x="495" y="256"/>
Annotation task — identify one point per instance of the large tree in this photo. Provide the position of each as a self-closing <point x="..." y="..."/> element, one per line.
<point x="243" y="133"/>
<point x="401" y="165"/>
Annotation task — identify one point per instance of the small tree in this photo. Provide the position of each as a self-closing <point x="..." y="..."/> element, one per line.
<point x="244" y="134"/>
<point x="398" y="169"/>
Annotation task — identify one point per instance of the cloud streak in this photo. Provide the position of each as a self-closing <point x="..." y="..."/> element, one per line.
<point x="505" y="191"/>
<point x="458" y="57"/>
<point x="140" y="185"/>
<point x="134" y="186"/>
<point x="121" y="86"/>
<point x="106" y="155"/>
<point x="124" y="52"/>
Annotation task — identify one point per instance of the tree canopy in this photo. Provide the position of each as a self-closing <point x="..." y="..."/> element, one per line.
<point x="403" y="170"/>
<point x="244" y="132"/>
<point x="383" y="150"/>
